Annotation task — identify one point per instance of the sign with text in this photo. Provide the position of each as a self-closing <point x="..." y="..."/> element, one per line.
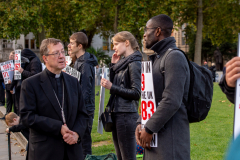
<point x="17" y="64"/>
<point x="236" y="126"/>
<point x="7" y="69"/>
<point x="73" y="72"/>
<point x="68" y="60"/>
<point x="101" y="104"/>
<point x="148" y="104"/>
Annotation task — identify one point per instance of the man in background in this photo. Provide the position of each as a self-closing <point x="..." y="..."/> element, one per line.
<point x="85" y="65"/>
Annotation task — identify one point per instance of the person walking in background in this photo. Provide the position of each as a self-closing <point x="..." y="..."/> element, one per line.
<point x="2" y="90"/>
<point x="27" y="70"/>
<point x="213" y="70"/>
<point x="85" y="63"/>
<point x="125" y="90"/>
<point x="9" y="96"/>
<point x="205" y="64"/>
<point x="170" y="120"/>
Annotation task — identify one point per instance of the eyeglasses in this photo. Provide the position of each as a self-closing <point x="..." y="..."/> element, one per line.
<point x="57" y="54"/>
<point x="145" y="28"/>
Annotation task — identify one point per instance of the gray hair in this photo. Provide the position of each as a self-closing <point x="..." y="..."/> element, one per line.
<point x="46" y="42"/>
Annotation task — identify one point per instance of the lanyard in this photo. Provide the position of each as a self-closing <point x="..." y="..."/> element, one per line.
<point x="63" y="117"/>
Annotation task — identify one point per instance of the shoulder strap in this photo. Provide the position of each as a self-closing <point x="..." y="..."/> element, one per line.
<point x="162" y="63"/>
<point x="162" y="68"/>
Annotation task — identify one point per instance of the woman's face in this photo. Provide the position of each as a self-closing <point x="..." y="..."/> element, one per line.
<point x="119" y="48"/>
<point x="72" y="55"/>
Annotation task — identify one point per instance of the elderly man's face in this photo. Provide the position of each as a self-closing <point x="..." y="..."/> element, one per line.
<point x="55" y="60"/>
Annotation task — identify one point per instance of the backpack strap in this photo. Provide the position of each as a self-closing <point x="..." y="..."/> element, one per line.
<point x="162" y="63"/>
<point x="162" y="68"/>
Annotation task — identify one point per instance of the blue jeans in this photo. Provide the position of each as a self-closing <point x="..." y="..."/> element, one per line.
<point x="124" y="135"/>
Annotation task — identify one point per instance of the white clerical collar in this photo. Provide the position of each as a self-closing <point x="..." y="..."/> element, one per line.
<point x="57" y="75"/>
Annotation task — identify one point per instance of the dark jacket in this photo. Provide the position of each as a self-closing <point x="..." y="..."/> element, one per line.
<point x="213" y="70"/>
<point x="20" y="128"/>
<point x="229" y="91"/>
<point x="40" y="112"/>
<point x="85" y="65"/>
<point x="170" y="120"/>
<point x="33" y="67"/>
<point x="1" y="77"/>
<point x="125" y="76"/>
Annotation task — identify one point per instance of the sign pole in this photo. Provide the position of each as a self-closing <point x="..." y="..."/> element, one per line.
<point x="236" y="124"/>
<point x="101" y="104"/>
<point x="9" y="146"/>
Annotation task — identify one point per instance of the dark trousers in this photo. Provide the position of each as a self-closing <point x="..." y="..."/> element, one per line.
<point x="124" y="135"/>
<point x="2" y="94"/>
<point x="10" y="101"/>
<point x="87" y="140"/>
<point x="16" y="99"/>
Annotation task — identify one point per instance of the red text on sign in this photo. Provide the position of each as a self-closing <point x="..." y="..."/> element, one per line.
<point x="7" y="66"/>
<point x="144" y="106"/>
<point x="5" y="74"/>
<point x="143" y="82"/>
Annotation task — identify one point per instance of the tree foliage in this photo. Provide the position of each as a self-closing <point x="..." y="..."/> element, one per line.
<point x="100" y="54"/>
<point x="60" y="19"/>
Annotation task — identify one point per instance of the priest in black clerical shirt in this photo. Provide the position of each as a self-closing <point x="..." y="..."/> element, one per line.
<point x="51" y="105"/>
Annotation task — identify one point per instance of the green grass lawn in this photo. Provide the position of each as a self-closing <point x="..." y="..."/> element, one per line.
<point x="209" y="138"/>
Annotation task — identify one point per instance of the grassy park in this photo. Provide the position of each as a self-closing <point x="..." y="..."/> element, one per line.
<point x="209" y="138"/>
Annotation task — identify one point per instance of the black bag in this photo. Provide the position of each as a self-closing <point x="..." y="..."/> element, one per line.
<point x="106" y="118"/>
<point x="110" y="156"/>
<point x="200" y="89"/>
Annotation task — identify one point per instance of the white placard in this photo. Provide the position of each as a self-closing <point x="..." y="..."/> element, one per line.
<point x="101" y="104"/>
<point x="68" y="60"/>
<point x="17" y="64"/>
<point x="148" y="104"/>
<point x="7" y="69"/>
<point x="73" y="72"/>
<point x="236" y="125"/>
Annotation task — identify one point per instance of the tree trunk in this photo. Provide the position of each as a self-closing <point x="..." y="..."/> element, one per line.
<point x="41" y="37"/>
<point x="115" y="25"/>
<point x="198" y="43"/>
<point x="90" y="34"/>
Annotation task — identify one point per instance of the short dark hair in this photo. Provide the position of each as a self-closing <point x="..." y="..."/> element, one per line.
<point x="164" y="22"/>
<point x="81" y="38"/>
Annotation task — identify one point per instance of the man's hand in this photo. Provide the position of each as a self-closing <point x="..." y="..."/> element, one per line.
<point x="64" y="129"/>
<point x="106" y="83"/>
<point x="145" y="139"/>
<point x="232" y="71"/>
<point x="20" y="69"/>
<point x="138" y="133"/>
<point x="11" y="91"/>
<point x="7" y="130"/>
<point x="71" y="138"/>
<point x="9" y="81"/>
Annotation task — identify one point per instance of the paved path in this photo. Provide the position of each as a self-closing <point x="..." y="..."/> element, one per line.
<point x="16" y="149"/>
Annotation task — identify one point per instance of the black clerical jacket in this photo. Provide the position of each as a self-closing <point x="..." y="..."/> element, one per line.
<point x="40" y="111"/>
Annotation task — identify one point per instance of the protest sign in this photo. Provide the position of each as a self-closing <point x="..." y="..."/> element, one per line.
<point x="68" y="60"/>
<point x="73" y="72"/>
<point x="148" y="104"/>
<point x="101" y="104"/>
<point x="7" y="69"/>
<point x="17" y="64"/>
<point x="236" y="126"/>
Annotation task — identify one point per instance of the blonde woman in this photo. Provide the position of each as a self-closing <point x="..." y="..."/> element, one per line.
<point x="125" y="90"/>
